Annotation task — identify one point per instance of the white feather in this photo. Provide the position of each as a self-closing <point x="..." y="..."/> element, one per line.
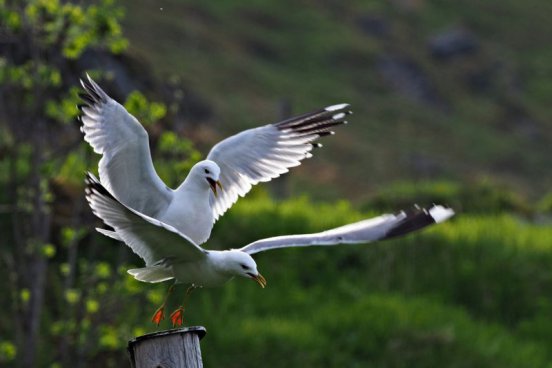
<point x="169" y="254"/>
<point x="245" y="159"/>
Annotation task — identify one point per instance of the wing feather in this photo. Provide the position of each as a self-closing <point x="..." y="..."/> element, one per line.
<point x="378" y="228"/>
<point x="126" y="168"/>
<point x="150" y="239"/>
<point x="264" y="153"/>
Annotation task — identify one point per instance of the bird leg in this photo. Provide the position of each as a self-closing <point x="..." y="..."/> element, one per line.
<point x="159" y="314"/>
<point x="177" y="317"/>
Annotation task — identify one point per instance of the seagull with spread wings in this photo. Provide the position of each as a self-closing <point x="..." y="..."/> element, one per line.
<point x="170" y="254"/>
<point x="233" y="166"/>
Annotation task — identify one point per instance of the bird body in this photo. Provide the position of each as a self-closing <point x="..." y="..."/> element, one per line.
<point x="238" y="162"/>
<point x="165" y="227"/>
<point x="190" y="211"/>
<point x="212" y="270"/>
<point x="204" y="273"/>
<point x="170" y="254"/>
<point x="218" y="268"/>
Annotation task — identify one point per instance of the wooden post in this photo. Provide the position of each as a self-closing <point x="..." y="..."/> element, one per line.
<point x="177" y="348"/>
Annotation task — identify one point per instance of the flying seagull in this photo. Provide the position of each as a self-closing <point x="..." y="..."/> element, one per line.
<point x="233" y="166"/>
<point x="170" y="254"/>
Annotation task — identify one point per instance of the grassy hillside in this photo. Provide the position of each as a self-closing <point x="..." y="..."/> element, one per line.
<point x="470" y="106"/>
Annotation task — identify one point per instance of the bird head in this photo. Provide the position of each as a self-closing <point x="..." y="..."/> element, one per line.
<point x="242" y="264"/>
<point x="210" y="172"/>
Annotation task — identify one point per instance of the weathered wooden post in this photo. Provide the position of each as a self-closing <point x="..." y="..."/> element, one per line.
<point x="177" y="348"/>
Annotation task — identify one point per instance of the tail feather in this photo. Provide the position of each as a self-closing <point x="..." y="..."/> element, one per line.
<point x="152" y="274"/>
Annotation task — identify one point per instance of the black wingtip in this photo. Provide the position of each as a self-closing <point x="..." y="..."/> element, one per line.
<point x="334" y="114"/>
<point x="320" y="127"/>
<point x="88" y="98"/>
<point x="93" y="94"/>
<point x="93" y="186"/>
<point x="416" y="218"/>
<point x="323" y="134"/>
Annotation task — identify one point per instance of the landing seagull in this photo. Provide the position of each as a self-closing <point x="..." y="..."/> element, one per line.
<point x="170" y="254"/>
<point x="233" y="166"/>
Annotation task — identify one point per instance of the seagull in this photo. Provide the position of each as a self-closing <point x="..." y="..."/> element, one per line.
<point x="170" y="254"/>
<point x="232" y="166"/>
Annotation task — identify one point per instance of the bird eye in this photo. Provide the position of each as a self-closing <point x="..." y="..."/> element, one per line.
<point x="244" y="267"/>
<point x="207" y="171"/>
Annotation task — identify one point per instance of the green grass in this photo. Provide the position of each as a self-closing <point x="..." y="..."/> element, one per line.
<point x="245" y="56"/>
<point x="472" y="292"/>
<point x="371" y="331"/>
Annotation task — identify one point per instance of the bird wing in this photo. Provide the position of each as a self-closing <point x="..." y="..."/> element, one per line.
<point x="378" y="228"/>
<point x="126" y="168"/>
<point x="152" y="240"/>
<point x="263" y="153"/>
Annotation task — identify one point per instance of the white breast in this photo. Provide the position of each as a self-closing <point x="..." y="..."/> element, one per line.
<point x="199" y="273"/>
<point x="191" y="215"/>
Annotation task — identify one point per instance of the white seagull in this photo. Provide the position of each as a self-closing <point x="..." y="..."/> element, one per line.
<point x="170" y="254"/>
<point x="234" y="164"/>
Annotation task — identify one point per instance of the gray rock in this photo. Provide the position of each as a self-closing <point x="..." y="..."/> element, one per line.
<point x="407" y="78"/>
<point x="453" y="43"/>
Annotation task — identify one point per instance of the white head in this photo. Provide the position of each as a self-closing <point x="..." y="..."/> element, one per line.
<point x="239" y="263"/>
<point x="207" y="173"/>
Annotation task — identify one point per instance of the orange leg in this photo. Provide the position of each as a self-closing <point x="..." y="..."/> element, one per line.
<point x="177" y="317"/>
<point x="159" y="314"/>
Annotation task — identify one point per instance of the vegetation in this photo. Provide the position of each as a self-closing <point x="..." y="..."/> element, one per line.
<point x="479" y="112"/>
<point x="473" y="292"/>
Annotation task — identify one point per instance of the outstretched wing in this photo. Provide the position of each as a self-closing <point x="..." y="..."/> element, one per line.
<point x="126" y="168"/>
<point x="150" y="239"/>
<point x="378" y="228"/>
<point x="261" y="154"/>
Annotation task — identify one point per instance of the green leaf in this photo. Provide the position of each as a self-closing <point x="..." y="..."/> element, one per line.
<point x="8" y="351"/>
<point x="73" y="167"/>
<point x="64" y="268"/>
<point x="48" y="250"/>
<point x="155" y="296"/>
<point x="13" y="20"/>
<point x="109" y="338"/>
<point x="118" y="46"/>
<point x="147" y="112"/>
<point x="92" y="306"/>
<point x="25" y="295"/>
<point x="72" y="296"/>
<point x="103" y="270"/>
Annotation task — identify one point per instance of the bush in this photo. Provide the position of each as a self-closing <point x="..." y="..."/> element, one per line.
<point x="370" y="331"/>
<point x="495" y="267"/>
<point x="545" y="204"/>
<point x="480" y="197"/>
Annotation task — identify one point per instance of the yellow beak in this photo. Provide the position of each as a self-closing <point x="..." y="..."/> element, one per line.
<point x="260" y="280"/>
<point x="213" y="184"/>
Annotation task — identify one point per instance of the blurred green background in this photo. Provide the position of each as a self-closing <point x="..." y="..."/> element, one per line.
<point x="451" y="105"/>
